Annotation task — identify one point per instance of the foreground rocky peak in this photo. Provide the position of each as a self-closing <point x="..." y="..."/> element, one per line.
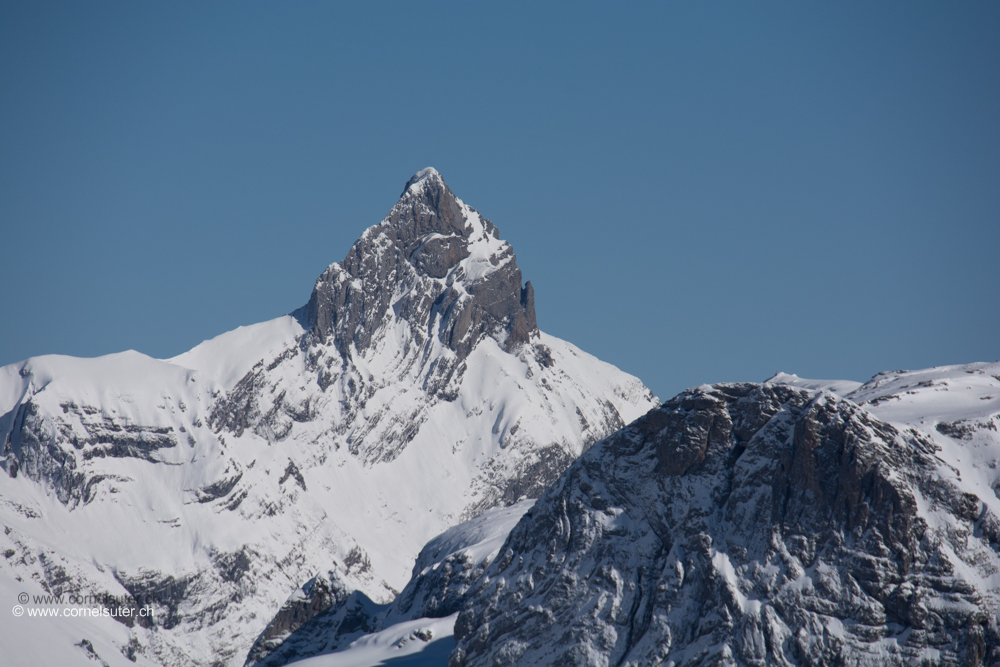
<point x="758" y="525"/>
<point x="438" y="265"/>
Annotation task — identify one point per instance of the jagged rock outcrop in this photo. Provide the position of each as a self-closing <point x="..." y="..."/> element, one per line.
<point x="317" y="618"/>
<point x="441" y="269"/>
<point x="752" y="525"/>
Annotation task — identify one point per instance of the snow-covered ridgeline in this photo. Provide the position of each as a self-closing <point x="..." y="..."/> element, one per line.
<point x="217" y="482"/>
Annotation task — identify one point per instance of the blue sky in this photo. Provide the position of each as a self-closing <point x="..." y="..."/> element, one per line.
<point x="699" y="192"/>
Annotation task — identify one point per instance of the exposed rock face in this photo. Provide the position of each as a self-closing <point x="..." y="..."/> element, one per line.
<point x="444" y="271"/>
<point x="34" y="447"/>
<point x="746" y="525"/>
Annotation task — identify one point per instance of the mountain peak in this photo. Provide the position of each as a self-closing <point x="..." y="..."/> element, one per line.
<point x="427" y="205"/>
<point x="436" y="264"/>
<point x="422" y="178"/>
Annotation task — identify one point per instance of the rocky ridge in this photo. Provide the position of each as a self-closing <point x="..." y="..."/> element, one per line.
<point x="773" y="524"/>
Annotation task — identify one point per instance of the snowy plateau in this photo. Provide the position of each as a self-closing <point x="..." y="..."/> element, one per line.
<point x="316" y="452"/>
<point x="406" y="471"/>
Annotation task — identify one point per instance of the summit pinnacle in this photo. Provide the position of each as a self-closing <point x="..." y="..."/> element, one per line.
<point x="439" y="265"/>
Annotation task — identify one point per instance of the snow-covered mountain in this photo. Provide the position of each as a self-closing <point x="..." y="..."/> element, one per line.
<point x="357" y="477"/>
<point x="792" y="522"/>
<point x="412" y="392"/>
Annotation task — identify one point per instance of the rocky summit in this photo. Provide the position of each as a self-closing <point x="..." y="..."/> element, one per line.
<point x="455" y="279"/>
<point x="306" y="458"/>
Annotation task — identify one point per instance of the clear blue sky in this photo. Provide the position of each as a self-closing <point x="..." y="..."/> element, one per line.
<point x="699" y="192"/>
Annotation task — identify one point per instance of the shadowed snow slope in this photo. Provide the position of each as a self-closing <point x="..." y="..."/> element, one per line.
<point x="412" y="392"/>
<point x="359" y="630"/>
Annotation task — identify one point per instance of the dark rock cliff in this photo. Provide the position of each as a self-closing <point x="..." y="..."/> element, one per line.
<point x="744" y="525"/>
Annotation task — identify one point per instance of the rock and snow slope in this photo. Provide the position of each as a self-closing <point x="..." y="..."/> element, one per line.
<point x="419" y="620"/>
<point x="412" y="392"/>
<point x="764" y="524"/>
